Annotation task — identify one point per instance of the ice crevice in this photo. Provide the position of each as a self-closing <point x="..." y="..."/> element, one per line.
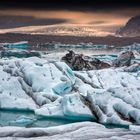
<point x="90" y="106"/>
<point x="84" y="80"/>
<point x="20" y="77"/>
<point x="28" y="90"/>
<point x="116" y="104"/>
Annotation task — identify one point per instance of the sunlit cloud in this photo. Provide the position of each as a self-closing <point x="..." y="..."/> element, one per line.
<point x="95" y="21"/>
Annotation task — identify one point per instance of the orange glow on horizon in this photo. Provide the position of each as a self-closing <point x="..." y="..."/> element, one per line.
<point x="105" y="21"/>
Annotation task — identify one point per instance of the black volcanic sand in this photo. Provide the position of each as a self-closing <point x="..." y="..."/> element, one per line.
<point x="35" y="40"/>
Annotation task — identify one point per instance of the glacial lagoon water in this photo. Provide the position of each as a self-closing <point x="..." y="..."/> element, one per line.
<point x="28" y="119"/>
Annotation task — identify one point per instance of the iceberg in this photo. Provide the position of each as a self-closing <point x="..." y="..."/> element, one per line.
<point x="19" y="54"/>
<point x="57" y="45"/>
<point x="133" y="47"/>
<point x="81" y="62"/>
<point x="54" y="90"/>
<point x="23" y="121"/>
<point x="124" y="59"/>
<point x="18" y="45"/>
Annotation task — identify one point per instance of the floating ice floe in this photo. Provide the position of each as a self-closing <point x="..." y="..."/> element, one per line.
<point x="56" y="45"/>
<point x="18" y="53"/>
<point x="18" y="45"/>
<point x="133" y="47"/>
<point x="81" y="62"/>
<point x="23" y="121"/>
<point x="124" y="59"/>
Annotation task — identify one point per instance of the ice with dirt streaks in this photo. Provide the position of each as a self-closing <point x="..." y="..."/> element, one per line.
<point x="109" y="96"/>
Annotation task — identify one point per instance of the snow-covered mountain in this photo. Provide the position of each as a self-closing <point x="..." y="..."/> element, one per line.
<point x="131" y="29"/>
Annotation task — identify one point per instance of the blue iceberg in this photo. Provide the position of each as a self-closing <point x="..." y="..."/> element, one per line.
<point x="67" y="83"/>
<point x="23" y="121"/>
<point x="17" y="45"/>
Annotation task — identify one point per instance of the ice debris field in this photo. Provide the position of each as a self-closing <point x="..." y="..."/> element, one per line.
<point x="54" y="90"/>
<point x="35" y="89"/>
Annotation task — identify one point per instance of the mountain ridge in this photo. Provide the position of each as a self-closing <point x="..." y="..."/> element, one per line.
<point x="131" y="28"/>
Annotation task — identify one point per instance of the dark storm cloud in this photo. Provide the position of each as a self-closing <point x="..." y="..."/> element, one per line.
<point x="8" y="21"/>
<point x="70" y="4"/>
